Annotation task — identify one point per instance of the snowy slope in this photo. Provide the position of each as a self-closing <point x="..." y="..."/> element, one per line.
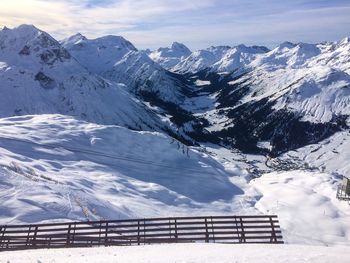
<point x="38" y="75"/>
<point x="147" y="79"/>
<point x="186" y="253"/>
<point x="308" y="72"/>
<point x="55" y="168"/>
<point x="116" y="59"/>
<point x="170" y="56"/>
<point x="307" y="206"/>
<point x="78" y="170"/>
<point x="309" y="79"/>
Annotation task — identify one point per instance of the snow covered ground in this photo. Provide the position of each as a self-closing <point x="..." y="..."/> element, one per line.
<point x="185" y="253"/>
<point x="306" y="205"/>
<point x="57" y="168"/>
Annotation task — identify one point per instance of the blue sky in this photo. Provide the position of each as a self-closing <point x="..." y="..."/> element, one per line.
<point x="197" y="23"/>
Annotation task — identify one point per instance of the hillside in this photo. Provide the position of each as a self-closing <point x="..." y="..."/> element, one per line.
<point x="39" y="76"/>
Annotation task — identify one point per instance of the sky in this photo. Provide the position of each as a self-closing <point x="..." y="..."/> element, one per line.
<point x="196" y="23"/>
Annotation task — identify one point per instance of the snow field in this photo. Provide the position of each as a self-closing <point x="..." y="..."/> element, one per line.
<point x="184" y="253"/>
<point x="56" y="168"/>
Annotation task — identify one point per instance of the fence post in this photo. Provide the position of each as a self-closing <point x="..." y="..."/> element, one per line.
<point x="236" y="228"/>
<point x="206" y="231"/>
<point x="100" y="234"/>
<point x="170" y="236"/>
<point x="68" y="235"/>
<point x="144" y="231"/>
<point x="2" y="239"/>
<point x="138" y="232"/>
<point x="176" y="230"/>
<point x="34" y="237"/>
<point x="243" y="240"/>
<point x="106" y="234"/>
<point x="28" y="236"/>
<point x="212" y="228"/>
<point x="73" y="236"/>
<point x="273" y="234"/>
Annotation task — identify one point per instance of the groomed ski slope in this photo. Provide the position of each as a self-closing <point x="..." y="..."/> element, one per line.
<point x="56" y="168"/>
<point x="185" y="253"/>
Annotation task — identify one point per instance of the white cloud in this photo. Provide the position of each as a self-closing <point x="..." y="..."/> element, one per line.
<point x="198" y="23"/>
<point x="69" y="16"/>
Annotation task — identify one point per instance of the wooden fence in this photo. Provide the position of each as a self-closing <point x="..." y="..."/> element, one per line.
<point x="210" y="229"/>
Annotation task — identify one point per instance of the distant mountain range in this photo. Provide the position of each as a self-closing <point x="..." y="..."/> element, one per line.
<point x="252" y="99"/>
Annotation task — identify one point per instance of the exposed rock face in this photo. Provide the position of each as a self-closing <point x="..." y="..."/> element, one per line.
<point x="45" y="81"/>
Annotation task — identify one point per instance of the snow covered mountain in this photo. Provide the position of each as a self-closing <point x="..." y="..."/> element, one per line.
<point x="241" y="97"/>
<point x="170" y="56"/>
<point x="219" y="58"/>
<point x="38" y="75"/>
<point x="116" y="59"/>
<point x="201" y="59"/>
<point x="291" y="96"/>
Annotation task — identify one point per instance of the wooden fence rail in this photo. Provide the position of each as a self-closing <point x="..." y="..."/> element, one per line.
<point x="221" y="229"/>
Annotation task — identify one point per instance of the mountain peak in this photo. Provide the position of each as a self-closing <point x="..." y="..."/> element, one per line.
<point x="31" y="44"/>
<point x="25" y="35"/>
<point x="22" y="31"/>
<point x="77" y="37"/>
<point x="345" y="40"/>
<point x="112" y="41"/>
<point x="252" y="49"/>
<point x="27" y="27"/>
<point x="263" y="49"/>
<point x="286" y="44"/>
<point x="180" y="47"/>
<point x="242" y="46"/>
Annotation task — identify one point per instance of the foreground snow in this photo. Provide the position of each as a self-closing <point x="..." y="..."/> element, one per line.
<point x="57" y="168"/>
<point x="201" y="253"/>
<point x="306" y="205"/>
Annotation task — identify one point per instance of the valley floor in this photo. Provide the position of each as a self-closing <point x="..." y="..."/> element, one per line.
<point x="184" y="253"/>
